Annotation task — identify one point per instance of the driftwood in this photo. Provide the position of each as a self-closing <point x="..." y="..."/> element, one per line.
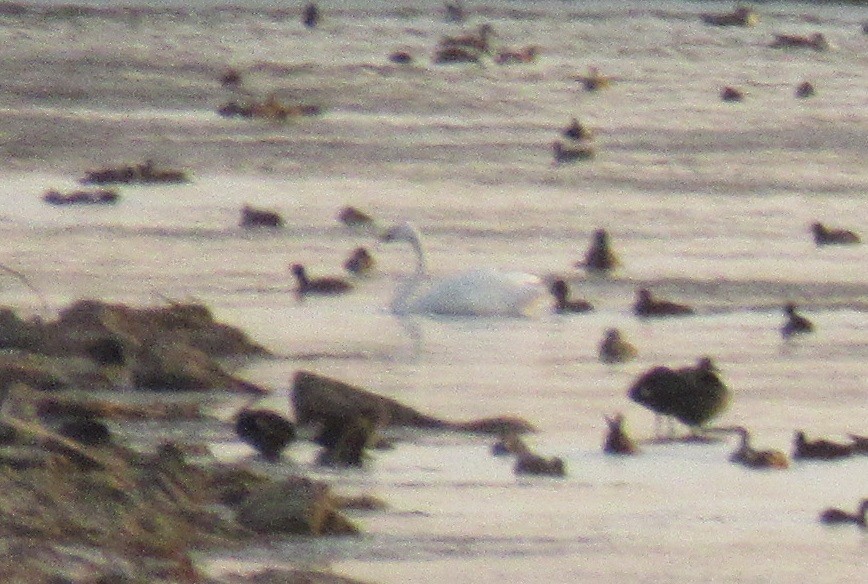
<point x="316" y="397"/>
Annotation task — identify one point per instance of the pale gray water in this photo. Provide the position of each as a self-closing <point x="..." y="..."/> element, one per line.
<point x="707" y="202"/>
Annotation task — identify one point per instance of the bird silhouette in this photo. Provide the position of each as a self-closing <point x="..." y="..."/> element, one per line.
<point x="266" y="431"/>
<point x="834" y="516"/>
<point x="691" y="395"/>
<point x="563" y="305"/>
<point x="328" y="285"/>
<point x="648" y="306"/>
<point x="599" y="258"/>
<point x="796" y="324"/>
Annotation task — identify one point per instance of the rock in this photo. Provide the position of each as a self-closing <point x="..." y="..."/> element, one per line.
<point x="298" y="506"/>
<point x="316" y="397"/>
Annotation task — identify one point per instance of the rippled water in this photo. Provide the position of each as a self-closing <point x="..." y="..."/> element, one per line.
<point x="707" y="202"/>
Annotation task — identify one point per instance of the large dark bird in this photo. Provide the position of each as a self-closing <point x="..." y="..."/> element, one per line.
<point x="266" y="431"/>
<point x="833" y="516"/>
<point x="691" y="395"/>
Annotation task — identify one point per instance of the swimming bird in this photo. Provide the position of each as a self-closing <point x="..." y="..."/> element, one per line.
<point x="564" y="153"/>
<point x="594" y="80"/>
<point x="648" y="306"/>
<point x="692" y="395"/>
<point x="359" y="262"/>
<point x="820" y="449"/>
<point x="563" y="305"/>
<point x="266" y="431"/>
<point x="805" y="89"/>
<point x="748" y="456"/>
<point x="253" y="217"/>
<point x="475" y="292"/>
<point x="599" y="257"/>
<point x="320" y="286"/>
<point x="816" y="41"/>
<point x="730" y="93"/>
<point x="833" y="516"/>
<point x="528" y="463"/>
<point x="796" y="324"/>
<point x="577" y="131"/>
<point x="833" y="236"/>
<point x="860" y="444"/>
<point x="741" y="16"/>
<point x="615" y="349"/>
<point x="617" y="440"/>
<point x="310" y="17"/>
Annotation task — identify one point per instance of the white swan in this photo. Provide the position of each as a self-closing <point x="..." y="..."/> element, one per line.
<point x="477" y="292"/>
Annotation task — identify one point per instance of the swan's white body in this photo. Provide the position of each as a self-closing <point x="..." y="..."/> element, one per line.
<point x="477" y="292"/>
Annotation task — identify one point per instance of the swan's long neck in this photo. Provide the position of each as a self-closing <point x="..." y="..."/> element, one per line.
<point x="404" y="292"/>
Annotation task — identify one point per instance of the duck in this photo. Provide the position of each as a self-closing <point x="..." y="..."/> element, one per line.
<point x="648" y="306"/>
<point x="252" y="217"/>
<point x="526" y="54"/>
<point x="617" y="440"/>
<point x="563" y="305"/>
<point x="805" y="89"/>
<point x="478" y="41"/>
<point x="565" y="153"/>
<point x="594" y="80"/>
<point x="615" y="349"/>
<point x="599" y="258"/>
<point x="796" y="324"/>
<point x="528" y="463"/>
<point x="360" y="262"/>
<point x="318" y="286"/>
<point x="833" y="235"/>
<point x="730" y="93"/>
<point x="816" y="41"/>
<point x="310" y="16"/>
<point x="266" y="431"/>
<point x="355" y="218"/>
<point x="577" y="131"/>
<point x="834" y="516"/>
<point x="747" y="456"/>
<point x="692" y="395"/>
<point x="741" y="16"/>
<point x="820" y="449"/>
<point x="454" y="12"/>
<point x="475" y="292"/>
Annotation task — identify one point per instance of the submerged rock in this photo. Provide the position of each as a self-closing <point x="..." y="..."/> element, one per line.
<point x="98" y="345"/>
<point x="316" y="398"/>
<point x="297" y="505"/>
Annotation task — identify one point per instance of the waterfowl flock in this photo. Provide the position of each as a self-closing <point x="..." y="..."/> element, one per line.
<point x="696" y="395"/>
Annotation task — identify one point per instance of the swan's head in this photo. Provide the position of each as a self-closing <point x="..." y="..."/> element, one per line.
<point x="404" y="231"/>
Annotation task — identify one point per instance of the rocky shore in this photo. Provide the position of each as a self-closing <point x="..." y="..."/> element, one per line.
<point x="79" y="505"/>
